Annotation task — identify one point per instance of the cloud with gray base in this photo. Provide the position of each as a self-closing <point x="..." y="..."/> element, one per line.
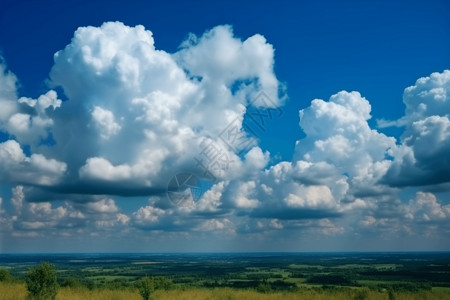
<point x="133" y="116"/>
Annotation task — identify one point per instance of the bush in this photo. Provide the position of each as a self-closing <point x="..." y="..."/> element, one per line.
<point x="329" y="279"/>
<point x="162" y="283"/>
<point x="72" y="283"/>
<point x="4" y="275"/>
<point x="264" y="287"/>
<point x="361" y="294"/>
<point x="391" y="294"/>
<point x="146" y="287"/>
<point x="42" y="282"/>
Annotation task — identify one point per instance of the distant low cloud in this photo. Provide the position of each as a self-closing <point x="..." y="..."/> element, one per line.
<point x="16" y="167"/>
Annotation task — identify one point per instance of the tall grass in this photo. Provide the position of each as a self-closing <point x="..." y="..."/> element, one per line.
<point x="17" y="291"/>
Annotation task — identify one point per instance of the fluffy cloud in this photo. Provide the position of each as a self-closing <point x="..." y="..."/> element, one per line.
<point x="61" y="218"/>
<point x="8" y="93"/>
<point x="134" y="116"/>
<point x="103" y="206"/>
<point x="15" y="166"/>
<point x="422" y="158"/>
<point x="429" y="96"/>
<point x="28" y="120"/>
<point x="337" y="133"/>
<point x="136" y="113"/>
<point x="220" y="59"/>
<point x="336" y="167"/>
<point x="426" y="208"/>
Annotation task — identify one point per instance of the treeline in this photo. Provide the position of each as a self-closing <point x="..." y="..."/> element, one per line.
<point x="42" y="283"/>
<point x="330" y="281"/>
<point x="259" y="285"/>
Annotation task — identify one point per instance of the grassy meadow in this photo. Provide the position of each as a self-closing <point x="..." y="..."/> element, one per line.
<point x="349" y="276"/>
<point x="17" y="291"/>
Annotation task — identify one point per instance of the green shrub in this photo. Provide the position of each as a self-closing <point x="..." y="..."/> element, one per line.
<point x="264" y="287"/>
<point x="4" y="275"/>
<point x="146" y="287"/>
<point x="361" y="294"/>
<point x="391" y="294"/>
<point x="72" y="283"/>
<point x="162" y="283"/>
<point x="41" y="282"/>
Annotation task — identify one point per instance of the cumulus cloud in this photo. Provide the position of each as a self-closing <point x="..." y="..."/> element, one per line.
<point x="28" y="120"/>
<point x="15" y="166"/>
<point x="336" y="167"/>
<point x="429" y="96"/>
<point x="426" y="208"/>
<point x="148" y="215"/>
<point x="218" y="57"/>
<point x="8" y="93"/>
<point x="422" y="158"/>
<point x="159" y="109"/>
<point x="62" y="218"/>
<point x="217" y="225"/>
<point x="134" y="113"/>
<point x="337" y="133"/>
<point x="134" y="116"/>
<point x="103" y="206"/>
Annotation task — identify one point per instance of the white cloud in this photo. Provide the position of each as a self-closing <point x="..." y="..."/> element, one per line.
<point x="8" y="93"/>
<point x="148" y="215"/>
<point x="32" y="127"/>
<point x="211" y="199"/>
<point x="336" y="167"/>
<point x="151" y="115"/>
<point x="136" y="115"/>
<point x="244" y="195"/>
<point x="103" y="206"/>
<point x="430" y="96"/>
<point x="105" y="121"/>
<point x="100" y="168"/>
<point x="425" y="207"/>
<point x="275" y="224"/>
<point x="217" y="225"/>
<point x="337" y="133"/>
<point x="422" y="158"/>
<point x="311" y="197"/>
<point x="123" y="219"/>
<point x="15" y="166"/>
<point x="64" y="219"/>
<point x="220" y="58"/>
<point x="17" y="198"/>
<point x="328" y="228"/>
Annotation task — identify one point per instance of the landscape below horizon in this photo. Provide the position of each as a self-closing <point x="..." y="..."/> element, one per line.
<point x="295" y="275"/>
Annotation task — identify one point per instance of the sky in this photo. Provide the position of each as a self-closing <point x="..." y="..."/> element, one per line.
<point x="145" y="126"/>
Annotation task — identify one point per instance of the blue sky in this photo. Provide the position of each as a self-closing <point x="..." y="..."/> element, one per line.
<point x="103" y="103"/>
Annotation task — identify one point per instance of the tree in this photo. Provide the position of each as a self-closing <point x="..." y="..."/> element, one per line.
<point x="361" y="294"/>
<point x="162" y="283"/>
<point x="4" y="275"/>
<point x="42" y="282"/>
<point x="391" y="294"/>
<point x="146" y="287"/>
<point x="72" y="283"/>
<point x="264" y="287"/>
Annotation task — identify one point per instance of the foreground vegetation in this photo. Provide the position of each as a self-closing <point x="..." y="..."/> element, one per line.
<point x="18" y="291"/>
<point x="227" y="276"/>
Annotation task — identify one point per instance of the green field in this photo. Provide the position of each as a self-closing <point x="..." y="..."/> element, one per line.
<point x="16" y="291"/>
<point x="240" y="276"/>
